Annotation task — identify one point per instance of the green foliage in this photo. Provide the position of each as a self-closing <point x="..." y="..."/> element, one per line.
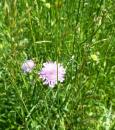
<point x="79" y="34"/>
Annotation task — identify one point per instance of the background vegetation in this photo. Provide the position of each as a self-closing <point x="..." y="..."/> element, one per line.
<point x="80" y="34"/>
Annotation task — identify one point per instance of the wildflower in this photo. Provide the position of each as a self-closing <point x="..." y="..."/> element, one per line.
<point x="94" y="57"/>
<point x="48" y="5"/>
<point x="28" y="65"/>
<point x="51" y="73"/>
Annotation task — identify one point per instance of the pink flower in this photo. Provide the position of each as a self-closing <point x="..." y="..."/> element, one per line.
<point x="28" y="65"/>
<point x="51" y="73"/>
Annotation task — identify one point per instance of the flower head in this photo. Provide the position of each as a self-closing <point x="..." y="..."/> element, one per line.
<point x="51" y="73"/>
<point x="94" y="57"/>
<point x="48" y="5"/>
<point x="28" y="65"/>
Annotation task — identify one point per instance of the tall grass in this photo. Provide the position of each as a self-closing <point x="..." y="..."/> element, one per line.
<point x="80" y="34"/>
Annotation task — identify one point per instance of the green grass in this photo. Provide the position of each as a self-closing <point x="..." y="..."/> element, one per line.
<point x="80" y="34"/>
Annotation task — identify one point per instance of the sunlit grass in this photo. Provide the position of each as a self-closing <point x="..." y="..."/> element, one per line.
<point x="80" y="34"/>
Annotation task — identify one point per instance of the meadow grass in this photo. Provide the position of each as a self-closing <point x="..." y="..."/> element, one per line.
<point x="80" y="34"/>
